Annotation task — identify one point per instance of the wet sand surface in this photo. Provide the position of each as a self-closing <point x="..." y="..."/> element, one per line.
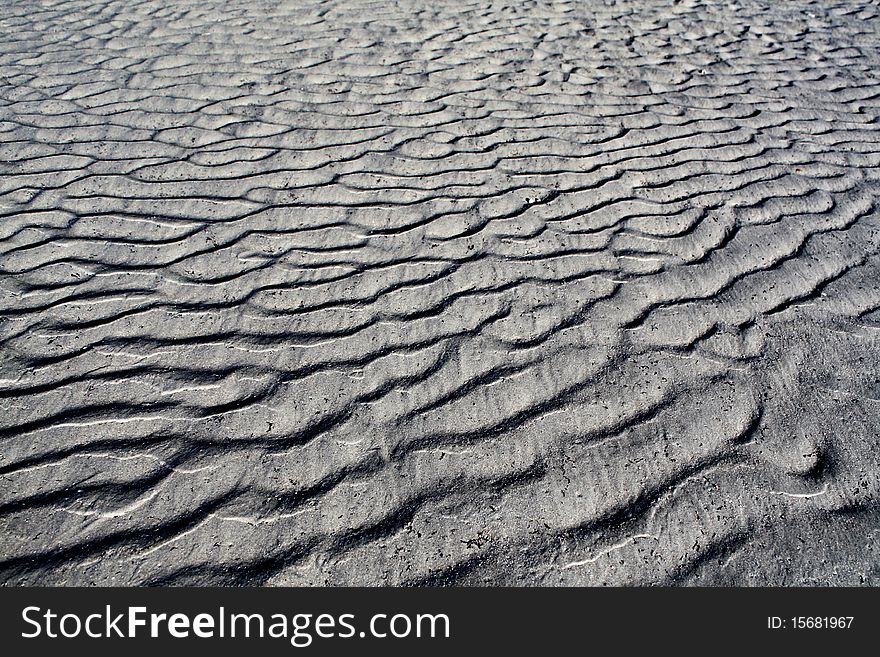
<point x="434" y="292"/>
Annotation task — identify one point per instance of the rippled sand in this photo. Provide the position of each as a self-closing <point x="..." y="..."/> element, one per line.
<point x="436" y="292"/>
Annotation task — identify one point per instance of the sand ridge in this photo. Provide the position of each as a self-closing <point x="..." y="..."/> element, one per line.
<point x="435" y="292"/>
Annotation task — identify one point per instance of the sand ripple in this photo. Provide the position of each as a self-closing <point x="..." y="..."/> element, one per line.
<point x="437" y="292"/>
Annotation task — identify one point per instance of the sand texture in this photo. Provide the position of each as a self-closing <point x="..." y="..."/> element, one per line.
<point x="439" y="292"/>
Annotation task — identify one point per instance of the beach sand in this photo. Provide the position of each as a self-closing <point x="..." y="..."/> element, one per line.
<point x="439" y="293"/>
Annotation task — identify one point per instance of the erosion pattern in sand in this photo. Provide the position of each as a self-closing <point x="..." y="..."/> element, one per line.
<point x="440" y="292"/>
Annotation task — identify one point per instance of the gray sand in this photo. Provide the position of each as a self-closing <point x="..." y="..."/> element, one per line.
<point x="438" y="292"/>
